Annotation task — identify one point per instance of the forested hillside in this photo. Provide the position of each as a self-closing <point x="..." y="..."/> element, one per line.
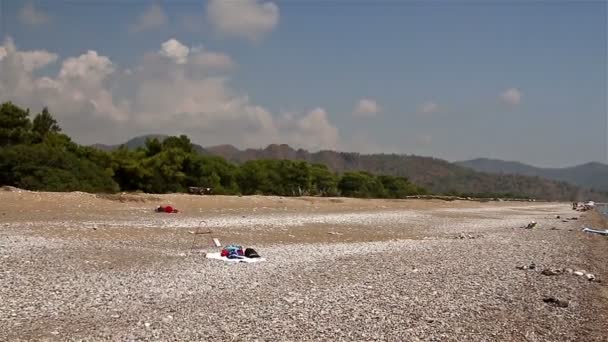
<point x="35" y="155"/>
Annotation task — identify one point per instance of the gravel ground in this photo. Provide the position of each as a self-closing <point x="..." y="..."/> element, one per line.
<point x="400" y="273"/>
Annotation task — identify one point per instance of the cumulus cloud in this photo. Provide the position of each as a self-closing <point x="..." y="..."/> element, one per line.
<point x="511" y="96"/>
<point x="175" y="50"/>
<point x="366" y="107"/>
<point x="210" y="59"/>
<point x="312" y="131"/>
<point x="32" y="16"/>
<point x="29" y="60"/>
<point x="176" y="90"/>
<point x="428" y="108"/>
<point x="153" y="17"/>
<point x="249" y="19"/>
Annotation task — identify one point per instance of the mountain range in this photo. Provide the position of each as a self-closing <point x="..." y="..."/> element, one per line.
<point x="440" y="176"/>
<point x="590" y="175"/>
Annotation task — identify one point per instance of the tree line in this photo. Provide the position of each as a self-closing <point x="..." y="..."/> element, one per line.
<point x="36" y="155"/>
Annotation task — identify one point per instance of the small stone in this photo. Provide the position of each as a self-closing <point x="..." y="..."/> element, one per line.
<point x="557" y="302"/>
<point x="579" y="273"/>
<point x="147" y="325"/>
<point x="551" y="272"/>
<point x="590" y="276"/>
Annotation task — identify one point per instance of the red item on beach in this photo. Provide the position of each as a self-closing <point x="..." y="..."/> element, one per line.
<point x="168" y="209"/>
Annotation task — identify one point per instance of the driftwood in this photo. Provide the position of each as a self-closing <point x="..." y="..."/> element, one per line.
<point x="200" y="190"/>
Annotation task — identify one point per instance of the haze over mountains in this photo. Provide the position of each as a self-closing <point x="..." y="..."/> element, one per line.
<point x="440" y="176"/>
<point x="590" y="175"/>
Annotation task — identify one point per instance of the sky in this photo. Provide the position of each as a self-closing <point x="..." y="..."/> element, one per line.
<point x="513" y="80"/>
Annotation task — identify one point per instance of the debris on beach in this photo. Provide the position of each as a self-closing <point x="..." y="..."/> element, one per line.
<point x="551" y="272"/>
<point x="531" y="225"/>
<point x="532" y="266"/>
<point x="595" y="231"/>
<point x="463" y="236"/>
<point x="166" y="209"/>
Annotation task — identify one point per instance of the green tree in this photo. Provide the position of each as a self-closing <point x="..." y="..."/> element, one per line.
<point x="44" y="124"/>
<point x="49" y="168"/>
<point x="15" y="125"/>
<point x="323" y="181"/>
<point x="360" y="184"/>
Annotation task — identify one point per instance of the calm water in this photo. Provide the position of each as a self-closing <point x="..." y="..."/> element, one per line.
<point x="602" y="208"/>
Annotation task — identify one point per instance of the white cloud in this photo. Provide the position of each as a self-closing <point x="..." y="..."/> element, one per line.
<point x="428" y="108"/>
<point x="249" y="19"/>
<point x="29" y="60"/>
<point x="312" y="131"/>
<point x="210" y="59"/>
<point x="169" y="90"/>
<point x="36" y="59"/>
<point x="511" y="96"/>
<point x="90" y="67"/>
<point x="175" y="50"/>
<point x="153" y="18"/>
<point x="30" y="15"/>
<point x="366" y="107"/>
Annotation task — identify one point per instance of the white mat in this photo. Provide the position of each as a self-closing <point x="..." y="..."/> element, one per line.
<point x="218" y="256"/>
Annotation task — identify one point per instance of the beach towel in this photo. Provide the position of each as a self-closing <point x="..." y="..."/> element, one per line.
<point x="237" y="259"/>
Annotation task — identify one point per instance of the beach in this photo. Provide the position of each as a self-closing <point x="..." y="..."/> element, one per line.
<point x="85" y="267"/>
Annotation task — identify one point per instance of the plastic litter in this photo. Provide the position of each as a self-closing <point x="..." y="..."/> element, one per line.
<point x="595" y="231"/>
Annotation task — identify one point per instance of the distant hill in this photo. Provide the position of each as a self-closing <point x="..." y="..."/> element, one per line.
<point x="590" y="175"/>
<point x="141" y="141"/>
<point x="437" y="175"/>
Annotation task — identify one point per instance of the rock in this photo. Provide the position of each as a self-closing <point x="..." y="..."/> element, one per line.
<point x="579" y="273"/>
<point x="590" y="276"/>
<point x="147" y="325"/>
<point x="532" y="266"/>
<point x="551" y="272"/>
<point x="556" y="302"/>
<point x="289" y="300"/>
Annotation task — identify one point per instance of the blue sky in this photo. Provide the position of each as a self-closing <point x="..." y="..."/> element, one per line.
<point x="452" y="79"/>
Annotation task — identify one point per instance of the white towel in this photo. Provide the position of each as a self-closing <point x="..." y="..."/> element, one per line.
<point x="218" y="256"/>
